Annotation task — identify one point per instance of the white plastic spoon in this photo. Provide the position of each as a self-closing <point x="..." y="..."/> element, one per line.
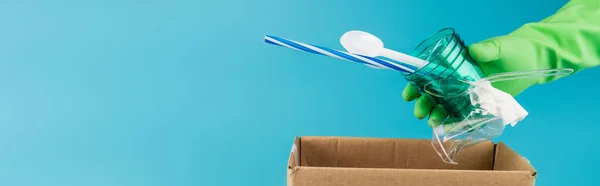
<point x="363" y="43"/>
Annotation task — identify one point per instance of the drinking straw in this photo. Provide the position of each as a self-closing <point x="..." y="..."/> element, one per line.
<point x="376" y="62"/>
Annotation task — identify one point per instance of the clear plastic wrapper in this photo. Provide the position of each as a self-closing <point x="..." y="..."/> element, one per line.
<point x="489" y="112"/>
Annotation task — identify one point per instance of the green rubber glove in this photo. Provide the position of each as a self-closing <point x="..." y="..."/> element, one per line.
<point x="568" y="39"/>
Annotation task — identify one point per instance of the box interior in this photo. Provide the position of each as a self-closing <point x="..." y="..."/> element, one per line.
<point x="351" y="152"/>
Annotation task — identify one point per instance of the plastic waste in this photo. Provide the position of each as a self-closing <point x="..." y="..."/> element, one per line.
<point x="492" y="110"/>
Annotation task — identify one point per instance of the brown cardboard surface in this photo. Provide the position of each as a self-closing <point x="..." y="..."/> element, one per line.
<point x="350" y="161"/>
<point x="388" y="153"/>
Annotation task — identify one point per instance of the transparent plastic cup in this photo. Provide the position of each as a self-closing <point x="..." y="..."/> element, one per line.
<point x="448" y="57"/>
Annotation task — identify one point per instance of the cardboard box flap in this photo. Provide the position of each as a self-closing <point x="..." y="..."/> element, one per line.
<point x="294" y="159"/>
<point x="507" y="159"/>
<point x="388" y="153"/>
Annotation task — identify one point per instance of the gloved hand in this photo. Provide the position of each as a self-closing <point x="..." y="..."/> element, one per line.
<point x="568" y="39"/>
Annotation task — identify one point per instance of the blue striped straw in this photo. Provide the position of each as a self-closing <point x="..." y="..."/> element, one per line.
<point x="371" y="61"/>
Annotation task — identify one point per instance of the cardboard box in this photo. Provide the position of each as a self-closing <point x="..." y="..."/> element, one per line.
<point x="347" y="161"/>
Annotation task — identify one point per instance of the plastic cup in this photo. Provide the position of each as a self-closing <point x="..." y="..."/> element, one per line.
<point x="448" y="57"/>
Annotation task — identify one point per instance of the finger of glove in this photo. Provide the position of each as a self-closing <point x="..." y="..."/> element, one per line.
<point x="410" y="93"/>
<point x="486" y="51"/>
<point x="437" y="116"/>
<point x="423" y="106"/>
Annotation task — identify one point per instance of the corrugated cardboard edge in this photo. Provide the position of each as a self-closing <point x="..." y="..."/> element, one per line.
<point x="508" y="159"/>
<point x="334" y="176"/>
<point x="294" y="161"/>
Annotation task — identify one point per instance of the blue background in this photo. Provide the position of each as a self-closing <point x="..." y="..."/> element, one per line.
<point x="185" y="92"/>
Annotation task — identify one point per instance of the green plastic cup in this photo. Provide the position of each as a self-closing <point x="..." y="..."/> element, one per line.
<point x="448" y="57"/>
